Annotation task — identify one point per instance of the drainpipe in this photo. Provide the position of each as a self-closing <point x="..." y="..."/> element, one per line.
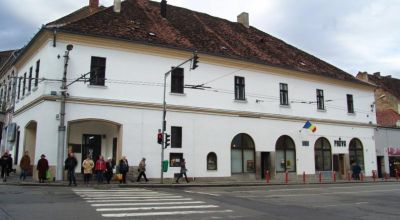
<point x="61" y="127"/>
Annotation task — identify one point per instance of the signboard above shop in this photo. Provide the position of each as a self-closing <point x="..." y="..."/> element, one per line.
<point x="393" y="151"/>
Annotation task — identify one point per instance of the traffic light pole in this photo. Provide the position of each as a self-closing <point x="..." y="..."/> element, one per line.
<point x="164" y="122"/>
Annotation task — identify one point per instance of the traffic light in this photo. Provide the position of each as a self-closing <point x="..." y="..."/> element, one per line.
<point x="167" y="140"/>
<point x="159" y="138"/>
<point x="195" y="61"/>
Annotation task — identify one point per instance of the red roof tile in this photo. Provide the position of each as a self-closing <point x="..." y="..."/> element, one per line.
<point x="140" y="21"/>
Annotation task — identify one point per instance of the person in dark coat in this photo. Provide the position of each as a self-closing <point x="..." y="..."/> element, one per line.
<point x="4" y="166"/>
<point x="123" y="169"/>
<point x="183" y="171"/>
<point x="9" y="164"/>
<point x="42" y="167"/>
<point x="356" y="170"/>
<point x="70" y="165"/>
<point x="109" y="169"/>
<point x="25" y="165"/>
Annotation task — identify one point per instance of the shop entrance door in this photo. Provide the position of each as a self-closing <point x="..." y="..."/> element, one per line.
<point x="91" y="146"/>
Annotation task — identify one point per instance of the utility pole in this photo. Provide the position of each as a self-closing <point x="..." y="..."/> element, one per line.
<point x="194" y="58"/>
<point x="61" y="127"/>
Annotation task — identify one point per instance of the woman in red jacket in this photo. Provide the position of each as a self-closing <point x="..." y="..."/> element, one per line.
<point x="100" y="168"/>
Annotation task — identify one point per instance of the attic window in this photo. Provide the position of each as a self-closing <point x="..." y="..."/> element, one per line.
<point x="152" y="34"/>
<point x="223" y="48"/>
<point x="303" y="63"/>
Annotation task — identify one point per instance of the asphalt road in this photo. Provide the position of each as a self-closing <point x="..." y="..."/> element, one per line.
<point x="341" y="201"/>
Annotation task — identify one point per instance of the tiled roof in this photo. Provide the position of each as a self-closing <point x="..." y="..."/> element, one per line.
<point x="4" y="55"/>
<point x="74" y="16"/>
<point x="389" y="84"/>
<point x="141" y="21"/>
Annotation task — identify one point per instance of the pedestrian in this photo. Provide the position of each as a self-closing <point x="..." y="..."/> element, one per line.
<point x="70" y="165"/>
<point x="356" y="170"/>
<point x="100" y="168"/>
<point x="87" y="166"/>
<point x="42" y="167"/>
<point x="142" y="170"/>
<point x="4" y="166"/>
<point x="109" y="169"/>
<point x="123" y="169"/>
<point x="25" y="165"/>
<point x="9" y="164"/>
<point x="183" y="171"/>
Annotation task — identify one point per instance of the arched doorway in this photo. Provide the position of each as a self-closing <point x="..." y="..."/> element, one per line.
<point x="94" y="137"/>
<point x="30" y="140"/>
<point x="323" y="155"/>
<point x="242" y="154"/>
<point x="285" y="154"/>
<point x="356" y="152"/>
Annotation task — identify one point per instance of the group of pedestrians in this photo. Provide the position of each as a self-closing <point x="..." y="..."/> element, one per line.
<point x="103" y="169"/>
<point x="6" y="165"/>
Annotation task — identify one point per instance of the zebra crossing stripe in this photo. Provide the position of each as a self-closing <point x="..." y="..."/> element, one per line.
<point x="139" y="214"/>
<point x="137" y="200"/>
<point x="111" y="195"/>
<point x="156" y="208"/>
<point x="110" y="190"/>
<point x="144" y="204"/>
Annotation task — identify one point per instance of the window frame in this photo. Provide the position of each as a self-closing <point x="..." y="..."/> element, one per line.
<point x="350" y="103"/>
<point x="24" y="85"/>
<point x="19" y="87"/>
<point x="284" y="94"/>
<point x="174" y="156"/>
<point x="176" y="137"/>
<point x="178" y="80"/>
<point x="30" y="79"/>
<point x="37" y="73"/>
<point x="97" y="68"/>
<point x="320" y="99"/>
<point x="240" y="88"/>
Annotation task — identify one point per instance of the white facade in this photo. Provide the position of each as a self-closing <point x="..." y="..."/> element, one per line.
<point x="130" y="102"/>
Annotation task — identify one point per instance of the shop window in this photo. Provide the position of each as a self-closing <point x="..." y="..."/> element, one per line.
<point x="175" y="159"/>
<point x="242" y="154"/>
<point x="323" y="155"/>
<point x="356" y="152"/>
<point x="212" y="161"/>
<point x="285" y="154"/>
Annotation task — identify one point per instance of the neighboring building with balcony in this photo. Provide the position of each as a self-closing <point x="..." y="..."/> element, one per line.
<point x="387" y="134"/>
<point x="254" y="94"/>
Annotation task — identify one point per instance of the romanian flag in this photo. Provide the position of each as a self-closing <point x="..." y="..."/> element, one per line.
<point x="310" y="126"/>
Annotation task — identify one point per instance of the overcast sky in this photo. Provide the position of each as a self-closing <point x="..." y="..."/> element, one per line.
<point x="356" y="35"/>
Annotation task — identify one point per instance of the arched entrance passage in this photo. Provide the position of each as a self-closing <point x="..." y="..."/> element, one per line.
<point x="242" y="154"/>
<point x="94" y="137"/>
<point x="323" y="155"/>
<point x="356" y="152"/>
<point x="285" y="154"/>
<point x="30" y="140"/>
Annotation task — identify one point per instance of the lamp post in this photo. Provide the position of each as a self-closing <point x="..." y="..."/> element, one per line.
<point x="61" y="127"/>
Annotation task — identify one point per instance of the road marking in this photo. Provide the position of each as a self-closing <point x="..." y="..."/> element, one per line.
<point x="157" y="208"/>
<point x="318" y="194"/>
<point x="342" y="204"/>
<point x="137" y="200"/>
<point x="134" y="197"/>
<point x="204" y="193"/>
<point x="150" y="203"/>
<point x="110" y="190"/>
<point x="163" y="213"/>
<point x="111" y="195"/>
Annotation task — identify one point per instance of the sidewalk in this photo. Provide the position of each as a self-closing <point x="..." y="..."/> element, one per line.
<point x="203" y="182"/>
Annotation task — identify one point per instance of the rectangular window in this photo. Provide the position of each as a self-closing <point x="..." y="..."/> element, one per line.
<point x="19" y="87"/>
<point x="176" y="137"/>
<point x="239" y="88"/>
<point x="97" y="71"/>
<point x="175" y="159"/>
<point x="350" y="104"/>
<point x="320" y="99"/>
<point x="24" y="85"/>
<point x="30" y="79"/>
<point x="37" y="73"/>
<point x="9" y="91"/>
<point x="284" y="94"/>
<point x="177" y="80"/>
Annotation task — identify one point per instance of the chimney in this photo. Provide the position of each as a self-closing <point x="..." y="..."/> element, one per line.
<point x="117" y="6"/>
<point x="93" y="4"/>
<point x="362" y="76"/>
<point x="243" y="18"/>
<point x="163" y="9"/>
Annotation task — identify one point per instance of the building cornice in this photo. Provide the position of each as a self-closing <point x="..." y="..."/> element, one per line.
<point x="186" y="109"/>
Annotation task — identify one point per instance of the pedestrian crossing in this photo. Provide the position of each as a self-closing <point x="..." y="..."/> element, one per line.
<point x="135" y="203"/>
